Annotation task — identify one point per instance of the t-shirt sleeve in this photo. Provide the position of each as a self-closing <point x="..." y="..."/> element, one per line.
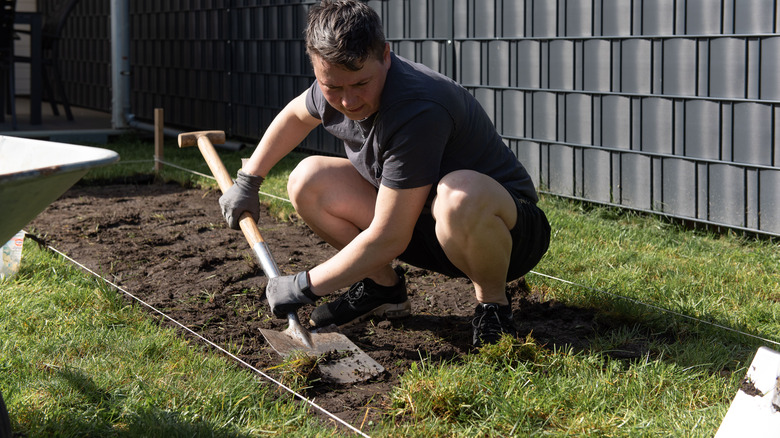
<point x="315" y="101"/>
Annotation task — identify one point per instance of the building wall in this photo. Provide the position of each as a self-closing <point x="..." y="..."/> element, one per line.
<point x="666" y="106"/>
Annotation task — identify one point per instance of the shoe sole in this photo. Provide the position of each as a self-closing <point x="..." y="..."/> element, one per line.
<point x="391" y="311"/>
<point x="388" y="311"/>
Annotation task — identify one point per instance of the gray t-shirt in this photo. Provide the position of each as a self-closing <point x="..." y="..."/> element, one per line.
<point x="427" y="126"/>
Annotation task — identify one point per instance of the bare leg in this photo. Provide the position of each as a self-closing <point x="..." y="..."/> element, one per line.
<point x="336" y="203"/>
<point x="474" y="214"/>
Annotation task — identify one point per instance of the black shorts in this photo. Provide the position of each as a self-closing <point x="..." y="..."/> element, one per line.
<point x="530" y="240"/>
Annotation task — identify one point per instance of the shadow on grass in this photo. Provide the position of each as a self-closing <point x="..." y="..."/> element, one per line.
<point x="105" y="413"/>
<point x="635" y="334"/>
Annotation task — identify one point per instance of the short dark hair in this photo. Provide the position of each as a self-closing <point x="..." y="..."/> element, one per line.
<point x="345" y="33"/>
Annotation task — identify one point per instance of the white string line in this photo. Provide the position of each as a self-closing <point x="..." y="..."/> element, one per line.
<point x="168" y="163"/>
<point x="614" y="295"/>
<point x="658" y="308"/>
<point x="133" y="162"/>
<point x="212" y="344"/>
<point x="157" y="160"/>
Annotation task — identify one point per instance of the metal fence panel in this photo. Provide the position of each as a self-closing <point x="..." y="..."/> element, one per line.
<point x="769" y="201"/>
<point x="597" y="171"/>
<point x="636" y="180"/>
<point x="668" y="106"/>
<point x="578" y="122"/>
<point x="678" y="189"/>
<point x="679" y="67"/>
<point x="770" y="65"/>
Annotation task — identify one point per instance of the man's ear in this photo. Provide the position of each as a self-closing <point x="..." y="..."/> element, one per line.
<point x="386" y="56"/>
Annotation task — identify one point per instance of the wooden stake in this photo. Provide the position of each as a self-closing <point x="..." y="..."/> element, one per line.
<point x="159" y="138"/>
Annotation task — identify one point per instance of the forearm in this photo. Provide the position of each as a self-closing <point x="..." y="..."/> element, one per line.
<point x="288" y="129"/>
<point x="367" y="253"/>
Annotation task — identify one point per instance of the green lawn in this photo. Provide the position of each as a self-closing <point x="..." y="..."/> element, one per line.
<point x="77" y="361"/>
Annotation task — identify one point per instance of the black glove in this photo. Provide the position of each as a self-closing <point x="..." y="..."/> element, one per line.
<point x="287" y="294"/>
<point x="240" y="198"/>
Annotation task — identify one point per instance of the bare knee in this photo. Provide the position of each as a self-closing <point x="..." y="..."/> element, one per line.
<point x="465" y="197"/>
<point x="300" y="181"/>
<point x="328" y="183"/>
<point x="455" y="200"/>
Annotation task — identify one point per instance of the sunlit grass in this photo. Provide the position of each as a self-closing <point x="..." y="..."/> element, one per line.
<point x="523" y="389"/>
<point x="78" y="360"/>
<point x="722" y="278"/>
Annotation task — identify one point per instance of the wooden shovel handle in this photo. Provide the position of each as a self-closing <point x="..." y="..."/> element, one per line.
<point x="249" y="228"/>
<point x="246" y="222"/>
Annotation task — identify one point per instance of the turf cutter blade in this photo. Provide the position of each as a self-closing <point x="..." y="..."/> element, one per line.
<point x="338" y="358"/>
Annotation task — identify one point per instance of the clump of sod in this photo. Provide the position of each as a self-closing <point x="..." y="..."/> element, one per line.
<point x="299" y="370"/>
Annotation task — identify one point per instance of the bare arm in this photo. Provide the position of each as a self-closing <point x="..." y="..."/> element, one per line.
<point x="287" y="131"/>
<point x="387" y="236"/>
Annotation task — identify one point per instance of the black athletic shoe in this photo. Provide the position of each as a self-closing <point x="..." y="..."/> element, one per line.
<point x="363" y="300"/>
<point x="490" y="322"/>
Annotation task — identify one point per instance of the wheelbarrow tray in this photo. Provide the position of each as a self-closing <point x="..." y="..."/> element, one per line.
<point x="34" y="173"/>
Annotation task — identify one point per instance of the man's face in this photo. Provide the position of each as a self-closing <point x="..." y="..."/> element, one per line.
<point x="356" y="94"/>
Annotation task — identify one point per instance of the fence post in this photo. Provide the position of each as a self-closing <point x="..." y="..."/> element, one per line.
<point x="159" y="138"/>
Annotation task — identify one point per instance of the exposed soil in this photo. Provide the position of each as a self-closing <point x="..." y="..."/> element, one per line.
<point x="748" y="387"/>
<point x="169" y="246"/>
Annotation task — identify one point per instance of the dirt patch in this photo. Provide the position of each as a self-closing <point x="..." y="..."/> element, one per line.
<point x="748" y="387"/>
<point x="169" y="246"/>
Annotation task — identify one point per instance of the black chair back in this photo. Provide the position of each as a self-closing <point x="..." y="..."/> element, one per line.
<point x="7" y="76"/>
<point x="55" y="16"/>
<point x="7" y="9"/>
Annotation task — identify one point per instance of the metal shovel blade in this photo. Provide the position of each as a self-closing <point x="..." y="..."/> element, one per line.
<point x="340" y="360"/>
